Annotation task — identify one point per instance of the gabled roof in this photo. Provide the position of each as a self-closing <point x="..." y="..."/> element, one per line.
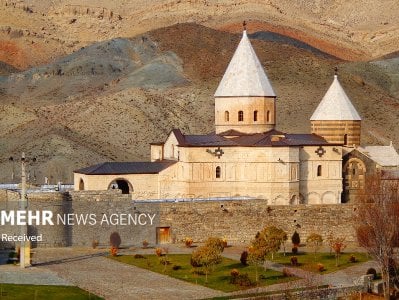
<point x="119" y="168"/>
<point x="335" y="105"/>
<point x="385" y="156"/>
<point x="245" y="75"/>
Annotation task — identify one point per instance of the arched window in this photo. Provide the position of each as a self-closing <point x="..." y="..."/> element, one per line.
<point x="268" y="116"/>
<point x="255" y="115"/>
<point x="345" y="139"/>
<point x="81" y="185"/>
<point x="217" y="172"/>
<point x="319" y="170"/>
<point x="226" y="116"/>
<point x="240" y="116"/>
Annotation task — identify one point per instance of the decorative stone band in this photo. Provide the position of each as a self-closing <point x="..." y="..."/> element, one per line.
<point x="345" y="132"/>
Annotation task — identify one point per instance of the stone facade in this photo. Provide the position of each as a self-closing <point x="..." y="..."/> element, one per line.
<point x="340" y="132"/>
<point x="236" y="220"/>
<point x="245" y="114"/>
<point x="280" y="175"/>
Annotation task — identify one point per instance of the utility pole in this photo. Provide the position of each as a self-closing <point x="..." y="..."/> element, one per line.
<point x="24" y="250"/>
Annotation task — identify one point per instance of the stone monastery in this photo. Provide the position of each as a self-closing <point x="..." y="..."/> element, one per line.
<point x="247" y="157"/>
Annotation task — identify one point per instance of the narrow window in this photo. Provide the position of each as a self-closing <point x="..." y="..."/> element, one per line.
<point x="268" y="116"/>
<point x="218" y="172"/>
<point x="240" y="116"/>
<point x="255" y="115"/>
<point x="226" y="116"/>
<point x="319" y="170"/>
<point x="345" y="139"/>
<point x="81" y="185"/>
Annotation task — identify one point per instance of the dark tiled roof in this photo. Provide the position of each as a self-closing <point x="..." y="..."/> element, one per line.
<point x="390" y="174"/>
<point x="115" y="168"/>
<point x="234" y="138"/>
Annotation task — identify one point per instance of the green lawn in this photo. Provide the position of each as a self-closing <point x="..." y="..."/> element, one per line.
<point x="43" y="292"/>
<point x="308" y="261"/>
<point x="218" y="279"/>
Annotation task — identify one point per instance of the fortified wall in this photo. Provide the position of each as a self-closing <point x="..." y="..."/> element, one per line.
<point x="236" y="220"/>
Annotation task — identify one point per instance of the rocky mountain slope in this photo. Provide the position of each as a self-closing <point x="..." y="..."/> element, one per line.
<point x="33" y="32"/>
<point x="108" y="100"/>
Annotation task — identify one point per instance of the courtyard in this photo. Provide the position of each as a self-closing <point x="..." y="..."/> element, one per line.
<point x="93" y="271"/>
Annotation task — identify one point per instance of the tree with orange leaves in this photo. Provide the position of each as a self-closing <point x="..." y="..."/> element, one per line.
<point x="377" y="225"/>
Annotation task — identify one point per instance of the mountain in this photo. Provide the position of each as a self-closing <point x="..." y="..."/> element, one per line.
<point x="110" y="99"/>
<point x="35" y="32"/>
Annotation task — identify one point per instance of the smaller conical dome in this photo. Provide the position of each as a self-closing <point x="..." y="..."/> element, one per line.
<point x="244" y="75"/>
<point x="335" y="105"/>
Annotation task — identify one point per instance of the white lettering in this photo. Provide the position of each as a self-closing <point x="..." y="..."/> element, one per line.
<point x="7" y="218"/>
<point x="151" y="219"/>
<point x="21" y="217"/>
<point x="140" y="222"/>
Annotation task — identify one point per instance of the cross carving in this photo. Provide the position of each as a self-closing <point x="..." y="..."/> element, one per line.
<point x="320" y="151"/>
<point x="218" y="152"/>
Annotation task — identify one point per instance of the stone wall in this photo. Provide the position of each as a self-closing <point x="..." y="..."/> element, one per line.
<point x="236" y="220"/>
<point x="53" y="236"/>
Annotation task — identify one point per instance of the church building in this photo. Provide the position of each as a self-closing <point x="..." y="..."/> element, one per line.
<point x="246" y="157"/>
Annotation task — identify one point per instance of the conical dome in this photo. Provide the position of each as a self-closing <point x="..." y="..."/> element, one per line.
<point x="335" y="105"/>
<point x="244" y="75"/>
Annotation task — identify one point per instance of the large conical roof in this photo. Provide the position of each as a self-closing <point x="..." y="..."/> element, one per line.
<point x="244" y="75"/>
<point x="335" y="105"/>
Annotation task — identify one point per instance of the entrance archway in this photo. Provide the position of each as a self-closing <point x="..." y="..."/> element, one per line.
<point x="122" y="184"/>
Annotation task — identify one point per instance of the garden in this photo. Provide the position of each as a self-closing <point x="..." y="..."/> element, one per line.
<point x="227" y="276"/>
<point x="206" y="266"/>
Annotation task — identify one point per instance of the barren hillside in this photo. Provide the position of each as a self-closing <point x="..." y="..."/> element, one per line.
<point x="33" y="32"/>
<point x="108" y="100"/>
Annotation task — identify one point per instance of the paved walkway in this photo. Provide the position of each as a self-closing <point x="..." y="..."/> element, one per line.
<point x="33" y="275"/>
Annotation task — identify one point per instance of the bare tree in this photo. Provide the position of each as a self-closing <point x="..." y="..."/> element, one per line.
<point x="377" y="224"/>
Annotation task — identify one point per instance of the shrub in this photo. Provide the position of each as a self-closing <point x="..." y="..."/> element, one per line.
<point x="234" y="273"/>
<point x="294" y="261"/>
<point x="158" y="251"/>
<point x="145" y="244"/>
<point x="194" y="263"/>
<point x="287" y="272"/>
<point x="372" y="271"/>
<point x="296" y="240"/>
<point x="188" y="242"/>
<point x="114" y="251"/>
<point x="352" y="259"/>
<point x="94" y="244"/>
<point x="224" y="240"/>
<point x="295" y="250"/>
<point x="176" y="267"/>
<point x="241" y="280"/>
<point x="215" y="243"/>
<point x="164" y="261"/>
<point x="244" y="258"/>
<point x="138" y="256"/>
<point x="115" y="239"/>
<point x="320" y="267"/>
